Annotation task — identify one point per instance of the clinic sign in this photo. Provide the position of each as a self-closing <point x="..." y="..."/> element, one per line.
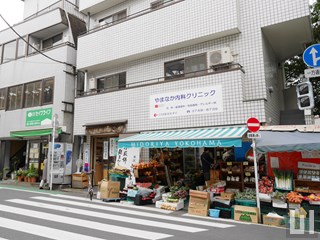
<point x="39" y="117"/>
<point x="188" y="102"/>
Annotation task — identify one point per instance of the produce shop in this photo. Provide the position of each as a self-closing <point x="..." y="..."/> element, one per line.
<point x="286" y="177"/>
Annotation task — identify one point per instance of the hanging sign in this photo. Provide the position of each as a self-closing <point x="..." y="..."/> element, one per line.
<point x="105" y="150"/>
<point x="113" y="146"/>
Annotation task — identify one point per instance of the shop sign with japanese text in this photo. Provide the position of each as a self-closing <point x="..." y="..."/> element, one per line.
<point x="39" y="117"/>
<point x="206" y="100"/>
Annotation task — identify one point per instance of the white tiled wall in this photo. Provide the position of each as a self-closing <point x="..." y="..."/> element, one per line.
<point x="244" y="94"/>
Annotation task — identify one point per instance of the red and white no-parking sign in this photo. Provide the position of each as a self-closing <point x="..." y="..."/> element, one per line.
<point x="253" y="124"/>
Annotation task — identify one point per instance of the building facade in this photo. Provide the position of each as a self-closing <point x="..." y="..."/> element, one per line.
<point x="142" y="59"/>
<point x="37" y="73"/>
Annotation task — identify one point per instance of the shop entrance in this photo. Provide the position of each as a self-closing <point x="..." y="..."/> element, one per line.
<point x="37" y="152"/>
<point x="103" y="156"/>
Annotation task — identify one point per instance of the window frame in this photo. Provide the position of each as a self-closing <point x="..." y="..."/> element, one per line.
<point x="5" y="91"/>
<point x="187" y="74"/>
<point x="43" y="88"/>
<point x="15" y="51"/>
<point x="102" y="20"/>
<point x="24" y="93"/>
<point x="157" y="4"/>
<point x="52" y="41"/>
<point x="112" y="88"/>
<point x="8" y="96"/>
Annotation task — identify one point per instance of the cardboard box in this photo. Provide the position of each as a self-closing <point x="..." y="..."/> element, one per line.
<point x="170" y="206"/>
<point x="227" y="196"/>
<point x="246" y="214"/>
<point x="109" y="189"/>
<point x="214" y="174"/>
<point x="274" y="221"/>
<point x="199" y="203"/>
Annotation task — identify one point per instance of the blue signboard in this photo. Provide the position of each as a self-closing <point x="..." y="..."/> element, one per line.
<point x="311" y="56"/>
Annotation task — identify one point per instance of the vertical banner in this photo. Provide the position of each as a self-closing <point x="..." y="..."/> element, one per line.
<point x="113" y="147"/>
<point x="68" y="157"/>
<point x="105" y="150"/>
<point x="126" y="158"/>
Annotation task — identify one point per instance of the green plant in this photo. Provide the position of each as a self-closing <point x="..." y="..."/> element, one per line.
<point x="32" y="172"/>
<point x="20" y="172"/>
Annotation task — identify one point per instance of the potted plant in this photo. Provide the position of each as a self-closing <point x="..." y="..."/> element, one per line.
<point x="20" y="174"/>
<point x="5" y="172"/>
<point x="32" y="174"/>
<point x="25" y="175"/>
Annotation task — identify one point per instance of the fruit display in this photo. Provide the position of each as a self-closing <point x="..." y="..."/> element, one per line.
<point x="266" y="185"/>
<point x="144" y="165"/>
<point x="312" y="198"/>
<point x="294" y="197"/>
<point x="178" y="192"/>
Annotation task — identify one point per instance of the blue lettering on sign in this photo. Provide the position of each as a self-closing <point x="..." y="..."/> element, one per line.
<point x="182" y="143"/>
<point x="311" y="56"/>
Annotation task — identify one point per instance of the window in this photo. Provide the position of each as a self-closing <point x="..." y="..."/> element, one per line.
<point x="32" y="94"/>
<point x="190" y="66"/>
<point x="15" y="97"/>
<point x="0" y="53"/>
<point x="35" y="43"/>
<point x="174" y="69"/>
<point x="48" y="89"/>
<point x="50" y="42"/>
<point x="9" y="51"/>
<point x="22" y="46"/>
<point x="113" y="18"/>
<point x="111" y="83"/>
<point x="157" y="4"/>
<point x="2" y="98"/>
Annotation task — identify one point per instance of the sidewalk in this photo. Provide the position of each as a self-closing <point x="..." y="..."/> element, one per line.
<point x="61" y="188"/>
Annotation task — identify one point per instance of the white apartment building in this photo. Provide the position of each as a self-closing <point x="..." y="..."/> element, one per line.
<point x="37" y="67"/>
<point x="144" y="60"/>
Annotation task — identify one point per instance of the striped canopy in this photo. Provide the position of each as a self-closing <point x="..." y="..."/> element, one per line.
<point x="205" y="137"/>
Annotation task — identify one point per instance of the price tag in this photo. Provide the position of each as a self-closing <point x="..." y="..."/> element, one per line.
<point x="248" y="174"/>
<point x="229" y="172"/>
<point x="229" y="163"/>
<point x="245" y="163"/>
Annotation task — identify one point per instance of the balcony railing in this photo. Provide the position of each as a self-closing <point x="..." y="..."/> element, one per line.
<point x="131" y="16"/>
<point x="63" y="4"/>
<point x="209" y="71"/>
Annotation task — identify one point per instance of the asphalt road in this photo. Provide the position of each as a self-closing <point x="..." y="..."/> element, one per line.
<point x="32" y="215"/>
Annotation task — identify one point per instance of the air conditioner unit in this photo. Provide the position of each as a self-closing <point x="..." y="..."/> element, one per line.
<point x="220" y="56"/>
<point x="92" y="83"/>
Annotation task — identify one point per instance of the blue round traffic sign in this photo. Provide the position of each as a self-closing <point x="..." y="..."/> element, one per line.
<point x="311" y="56"/>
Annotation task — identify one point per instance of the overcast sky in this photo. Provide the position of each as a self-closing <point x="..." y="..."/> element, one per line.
<point x="12" y="11"/>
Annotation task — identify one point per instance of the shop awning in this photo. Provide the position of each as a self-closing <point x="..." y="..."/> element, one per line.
<point x="205" y="137"/>
<point x="33" y="133"/>
<point x="283" y="141"/>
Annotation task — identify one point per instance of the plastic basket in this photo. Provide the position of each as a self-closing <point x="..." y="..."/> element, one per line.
<point x="214" y="213"/>
<point x="248" y="203"/>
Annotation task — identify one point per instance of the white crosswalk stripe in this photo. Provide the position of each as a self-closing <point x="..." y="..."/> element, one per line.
<point x="136" y="213"/>
<point x="55" y="211"/>
<point x="45" y="232"/>
<point x="109" y="216"/>
<point x="84" y="223"/>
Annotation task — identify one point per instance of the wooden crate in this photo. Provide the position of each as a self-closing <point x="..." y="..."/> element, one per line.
<point x="79" y="180"/>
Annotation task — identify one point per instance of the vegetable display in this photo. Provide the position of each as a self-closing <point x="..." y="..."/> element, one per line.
<point x="248" y="194"/>
<point x="283" y="179"/>
<point x="294" y="197"/>
<point x="266" y="185"/>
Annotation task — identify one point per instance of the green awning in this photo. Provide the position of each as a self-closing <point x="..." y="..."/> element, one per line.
<point x="33" y="133"/>
<point x="206" y="137"/>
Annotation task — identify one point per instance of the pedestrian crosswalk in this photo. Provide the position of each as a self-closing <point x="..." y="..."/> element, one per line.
<point x="59" y="217"/>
